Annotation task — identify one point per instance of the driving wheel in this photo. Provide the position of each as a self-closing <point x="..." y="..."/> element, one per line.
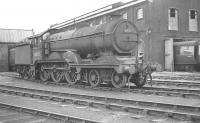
<point x="94" y="78"/>
<point x="71" y="77"/>
<point x="57" y="76"/>
<point x="118" y="80"/>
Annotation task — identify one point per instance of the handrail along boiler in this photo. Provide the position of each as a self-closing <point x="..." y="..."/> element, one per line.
<point x="106" y="53"/>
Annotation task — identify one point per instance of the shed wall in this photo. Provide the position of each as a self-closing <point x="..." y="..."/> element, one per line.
<point x="3" y="57"/>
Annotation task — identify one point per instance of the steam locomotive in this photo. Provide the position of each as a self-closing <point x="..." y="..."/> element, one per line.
<point x="106" y="53"/>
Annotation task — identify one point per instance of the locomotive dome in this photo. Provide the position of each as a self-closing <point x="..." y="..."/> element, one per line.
<point x="123" y="34"/>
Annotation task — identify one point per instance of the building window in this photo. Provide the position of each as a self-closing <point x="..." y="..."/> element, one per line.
<point x="172" y="19"/>
<point x="193" y="23"/>
<point x="140" y="13"/>
<point x="125" y="15"/>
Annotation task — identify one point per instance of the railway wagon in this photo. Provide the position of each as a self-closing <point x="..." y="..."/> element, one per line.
<point x="187" y="56"/>
<point x="106" y="53"/>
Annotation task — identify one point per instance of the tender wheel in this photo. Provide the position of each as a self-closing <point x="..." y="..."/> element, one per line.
<point x="71" y="77"/>
<point x="26" y="76"/>
<point x="25" y="73"/>
<point x="56" y="76"/>
<point x="44" y="76"/>
<point x="31" y="74"/>
<point x="118" y="80"/>
<point x="94" y="78"/>
<point x="21" y="75"/>
<point x="140" y="80"/>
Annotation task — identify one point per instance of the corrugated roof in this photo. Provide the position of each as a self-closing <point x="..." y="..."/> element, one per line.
<point x="14" y="35"/>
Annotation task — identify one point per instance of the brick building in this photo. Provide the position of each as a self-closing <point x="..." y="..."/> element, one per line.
<point x="161" y="22"/>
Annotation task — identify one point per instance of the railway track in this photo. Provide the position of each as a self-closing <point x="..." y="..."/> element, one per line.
<point x="166" y="90"/>
<point x="179" y="73"/>
<point x="179" y="77"/>
<point x="39" y="116"/>
<point x="176" y="111"/>
<point x="160" y="91"/>
<point x="159" y="81"/>
<point x="176" y="83"/>
<point x="12" y="114"/>
<point x="44" y="117"/>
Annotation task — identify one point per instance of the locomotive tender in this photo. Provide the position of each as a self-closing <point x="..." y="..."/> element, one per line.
<point x="106" y="53"/>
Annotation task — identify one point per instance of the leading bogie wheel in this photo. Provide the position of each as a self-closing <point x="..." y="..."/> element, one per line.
<point x="94" y="78"/>
<point x="118" y="80"/>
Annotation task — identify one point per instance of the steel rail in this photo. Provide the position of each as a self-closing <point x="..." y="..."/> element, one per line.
<point x="63" y="118"/>
<point x="177" y="77"/>
<point x="160" y="91"/>
<point x="133" y="106"/>
<point x="176" y="83"/>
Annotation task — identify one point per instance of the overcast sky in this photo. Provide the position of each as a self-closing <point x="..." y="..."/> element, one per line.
<point x="40" y="14"/>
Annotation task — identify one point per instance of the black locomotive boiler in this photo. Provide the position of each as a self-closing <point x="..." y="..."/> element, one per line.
<point x="105" y="53"/>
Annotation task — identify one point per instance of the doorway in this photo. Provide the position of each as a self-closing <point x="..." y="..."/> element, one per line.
<point x="169" y="55"/>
